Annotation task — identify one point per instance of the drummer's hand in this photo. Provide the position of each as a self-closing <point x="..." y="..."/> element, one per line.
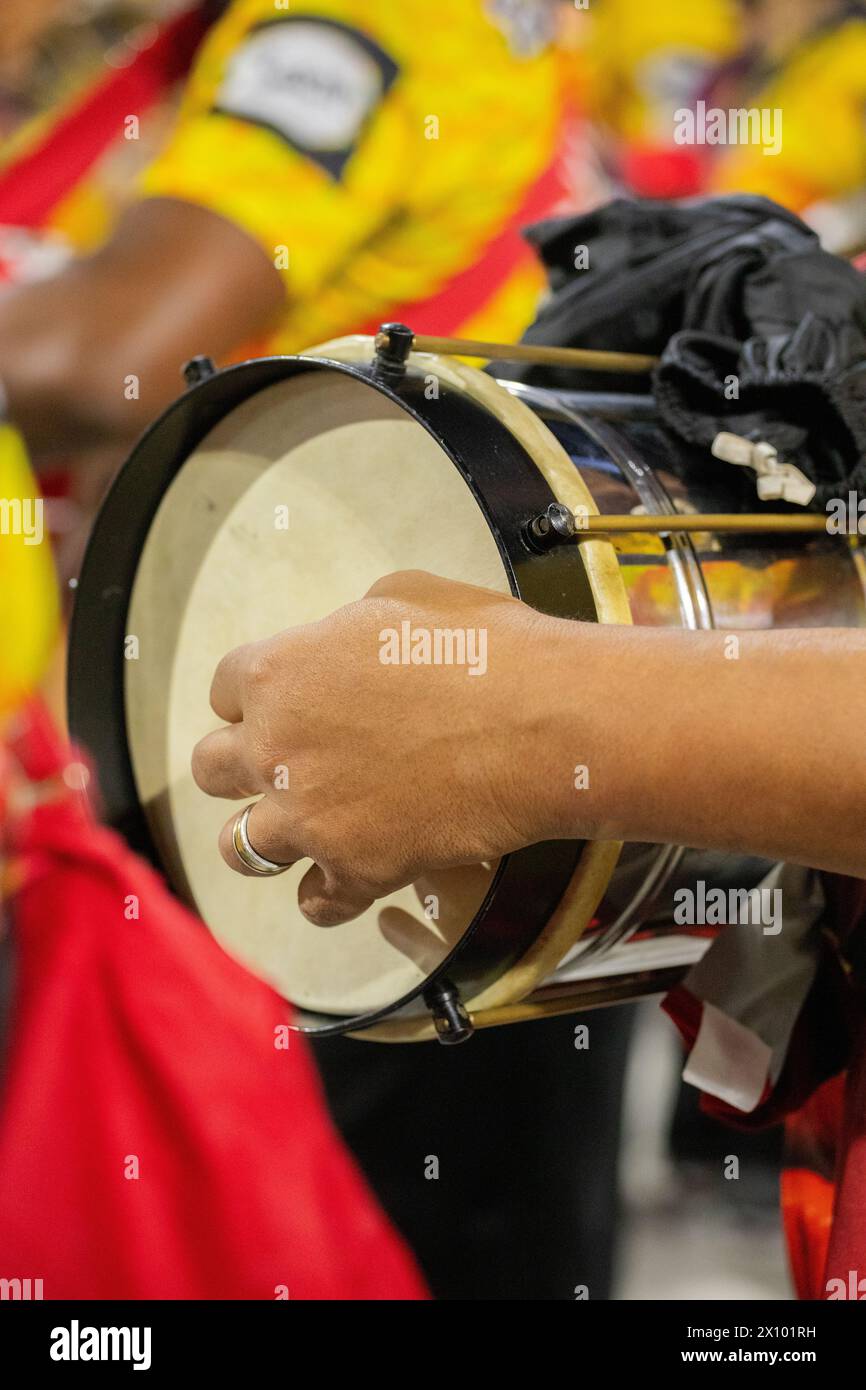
<point x="383" y="772"/>
<point x="379" y="772"/>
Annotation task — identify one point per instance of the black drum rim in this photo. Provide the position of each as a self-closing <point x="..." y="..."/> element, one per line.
<point x="537" y="874"/>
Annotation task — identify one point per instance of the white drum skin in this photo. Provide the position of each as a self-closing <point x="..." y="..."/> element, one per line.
<point x="365" y="491"/>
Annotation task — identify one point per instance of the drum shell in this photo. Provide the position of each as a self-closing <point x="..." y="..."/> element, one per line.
<point x="726" y="582"/>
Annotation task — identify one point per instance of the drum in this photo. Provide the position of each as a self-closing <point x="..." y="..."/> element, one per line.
<point x="275" y="491"/>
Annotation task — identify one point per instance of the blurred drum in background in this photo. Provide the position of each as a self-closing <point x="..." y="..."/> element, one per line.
<point x="278" y="490"/>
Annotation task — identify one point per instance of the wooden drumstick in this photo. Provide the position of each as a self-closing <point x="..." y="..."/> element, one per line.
<point x="585" y="358"/>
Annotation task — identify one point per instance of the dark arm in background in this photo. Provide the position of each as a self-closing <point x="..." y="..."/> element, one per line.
<point x="174" y="280"/>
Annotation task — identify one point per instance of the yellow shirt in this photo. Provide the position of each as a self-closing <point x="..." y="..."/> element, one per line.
<point x="641" y="62"/>
<point x="374" y="151"/>
<point x="27" y="577"/>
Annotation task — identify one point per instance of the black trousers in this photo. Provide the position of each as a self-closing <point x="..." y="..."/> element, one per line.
<point x="497" y="1158"/>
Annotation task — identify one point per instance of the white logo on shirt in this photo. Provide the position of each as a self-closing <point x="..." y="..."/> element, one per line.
<point x="310" y="82"/>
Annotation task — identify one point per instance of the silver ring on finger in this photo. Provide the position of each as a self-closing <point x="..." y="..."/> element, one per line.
<point x="249" y="857"/>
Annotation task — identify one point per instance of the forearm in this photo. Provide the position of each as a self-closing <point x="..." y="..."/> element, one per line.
<point x="570" y="731"/>
<point x="62" y="375"/>
<point x="686" y="742"/>
<point x="93" y="354"/>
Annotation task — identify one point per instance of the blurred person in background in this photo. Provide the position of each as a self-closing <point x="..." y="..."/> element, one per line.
<point x="328" y="170"/>
<point x="635" y="66"/>
<point x="316" y="180"/>
<point x="805" y="59"/>
<point x="282" y="209"/>
<point x="640" y="65"/>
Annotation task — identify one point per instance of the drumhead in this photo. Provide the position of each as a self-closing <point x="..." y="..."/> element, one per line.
<point x="293" y="505"/>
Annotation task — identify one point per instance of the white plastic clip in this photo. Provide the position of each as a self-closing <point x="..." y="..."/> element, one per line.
<point x="776" y="481"/>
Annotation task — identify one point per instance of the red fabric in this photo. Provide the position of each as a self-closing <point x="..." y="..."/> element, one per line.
<point x="812" y="1137"/>
<point x="140" y="1040"/>
<point x="32" y="186"/>
<point x="847" y="1253"/>
<point x="657" y="171"/>
<point x="807" y="1215"/>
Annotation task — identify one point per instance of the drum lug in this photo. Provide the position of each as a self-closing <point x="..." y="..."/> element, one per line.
<point x="450" y="1019"/>
<point x="393" y="344"/>
<point x="553" y="527"/>
<point x="198" y="369"/>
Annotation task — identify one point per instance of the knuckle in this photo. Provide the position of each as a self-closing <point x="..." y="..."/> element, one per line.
<point x="200" y="767"/>
<point x="227" y="852"/>
<point x="266" y="763"/>
<point x="260" y="670"/>
<point x="363" y="875"/>
<point x="384" y="586"/>
<point x="398" y="584"/>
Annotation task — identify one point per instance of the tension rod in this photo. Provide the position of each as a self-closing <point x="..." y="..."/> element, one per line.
<point x="585" y="358"/>
<point x="558" y="524"/>
<point x="708" y="521"/>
